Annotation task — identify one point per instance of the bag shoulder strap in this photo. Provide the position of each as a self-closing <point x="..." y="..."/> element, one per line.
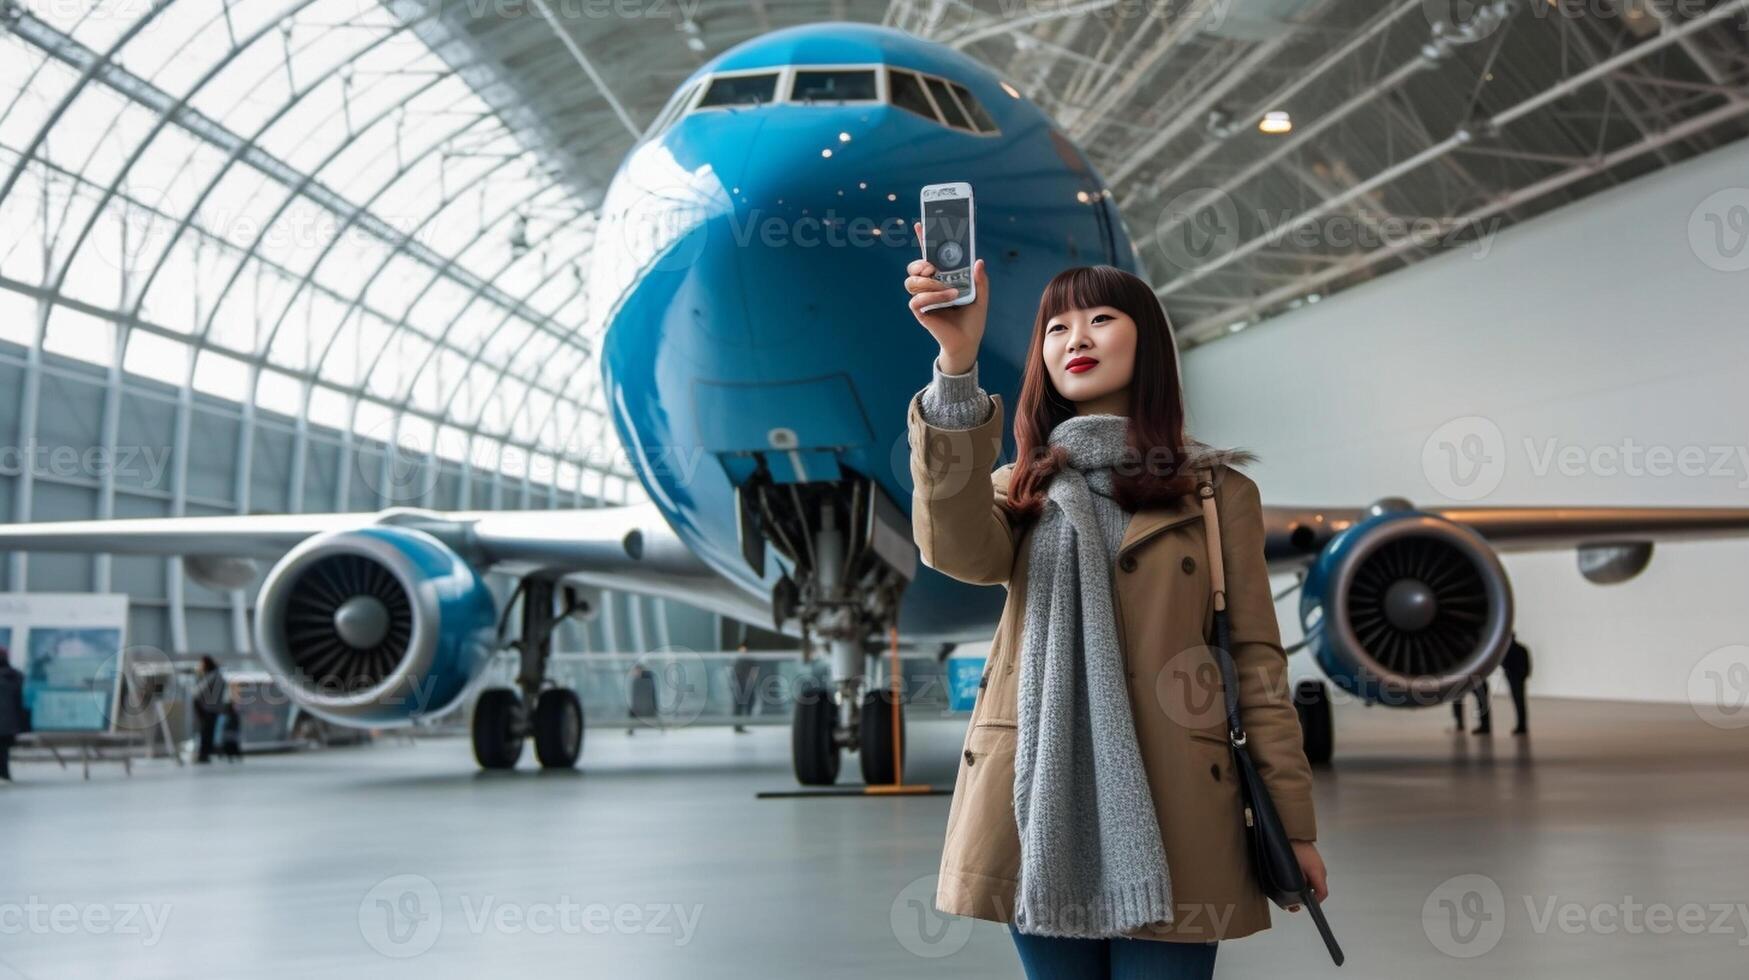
<point x="1205" y="490"/>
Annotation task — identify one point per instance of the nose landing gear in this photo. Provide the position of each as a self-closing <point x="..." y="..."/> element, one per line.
<point x="852" y="557"/>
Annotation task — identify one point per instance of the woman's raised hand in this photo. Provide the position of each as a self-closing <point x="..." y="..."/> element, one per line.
<point x="958" y="329"/>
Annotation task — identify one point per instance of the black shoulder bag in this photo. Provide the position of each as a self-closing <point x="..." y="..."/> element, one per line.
<point x="1272" y="855"/>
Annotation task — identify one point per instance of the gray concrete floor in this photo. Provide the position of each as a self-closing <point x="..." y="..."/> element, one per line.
<point x="1450" y="855"/>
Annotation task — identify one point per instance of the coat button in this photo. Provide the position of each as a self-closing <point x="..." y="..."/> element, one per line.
<point x="1188" y="564"/>
<point x="968" y="757"/>
<point x="1127" y="563"/>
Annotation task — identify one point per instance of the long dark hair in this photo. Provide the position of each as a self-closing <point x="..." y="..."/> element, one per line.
<point x="1155" y="435"/>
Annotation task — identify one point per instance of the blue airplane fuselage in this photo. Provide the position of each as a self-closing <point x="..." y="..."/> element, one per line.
<point x="749" y="268"/>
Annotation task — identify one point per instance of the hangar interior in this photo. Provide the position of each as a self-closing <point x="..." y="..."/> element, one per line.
<point x="262" y="258"/>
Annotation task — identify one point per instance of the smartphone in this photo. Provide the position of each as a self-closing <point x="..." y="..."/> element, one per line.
<point x="950" y="238"/>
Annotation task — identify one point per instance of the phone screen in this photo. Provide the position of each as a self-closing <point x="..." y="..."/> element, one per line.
<point x="947" y="227"/>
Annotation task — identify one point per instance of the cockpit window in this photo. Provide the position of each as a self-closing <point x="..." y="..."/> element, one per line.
<point x="837" y="85"/>
<point x="672" y="112"/>
<point x="950" y="107"/>
<point x="740" y="90"/>
<point x="907" y="93"/>
<point x="939" y="100"/>
<point x="975" y="109"/>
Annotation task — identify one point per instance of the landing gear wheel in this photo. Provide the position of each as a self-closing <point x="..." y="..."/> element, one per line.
<point x="497" y="729"/>
<point x="558" y="728"/>
<point x="879" y="767"/>
<point x="812" y="747"/>
<point x="1312" y="702"/>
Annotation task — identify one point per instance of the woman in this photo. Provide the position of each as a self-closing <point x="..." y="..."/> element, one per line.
<point x="1096" y="806"/>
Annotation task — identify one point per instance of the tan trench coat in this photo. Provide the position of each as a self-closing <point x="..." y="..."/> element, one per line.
<point x="1165" y="607"/>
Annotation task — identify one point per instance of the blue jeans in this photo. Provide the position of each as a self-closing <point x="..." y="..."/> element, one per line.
<point x="1057" y="958"/>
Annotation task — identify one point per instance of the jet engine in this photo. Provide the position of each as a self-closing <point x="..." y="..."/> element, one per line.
<point x="375" y="627"/>
<point x="1407" y="609"/>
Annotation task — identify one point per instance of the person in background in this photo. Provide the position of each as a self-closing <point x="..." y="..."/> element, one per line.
<point x="231" y="743"/>
<point x="210" y="699"/>
<point x="643" y="705"/>
<point x="1516" y="665"/>
<point x="1484" y="719"/>
<point x="744" y="678"/>
<point x="14" y="717"/>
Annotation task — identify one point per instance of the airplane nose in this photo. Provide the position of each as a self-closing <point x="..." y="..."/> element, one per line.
<point x="813" y="215"/>
<point x="816" y="171"/>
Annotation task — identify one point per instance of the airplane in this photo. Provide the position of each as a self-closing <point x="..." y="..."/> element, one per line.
<point x="757" y="363"/>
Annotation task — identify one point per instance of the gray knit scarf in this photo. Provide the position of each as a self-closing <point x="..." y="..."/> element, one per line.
<point x="1091" y="860"/>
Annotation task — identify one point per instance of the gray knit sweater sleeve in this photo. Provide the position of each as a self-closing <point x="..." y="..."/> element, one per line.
<point x="954" y="401"/>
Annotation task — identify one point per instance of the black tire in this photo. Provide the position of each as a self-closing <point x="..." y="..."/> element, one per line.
<point x="876" y="733"/>
<point x="812" y="748"/>
<point x="558" y="728"/>
<point x="497" y="729"/>
<point x="1312" y="702"/>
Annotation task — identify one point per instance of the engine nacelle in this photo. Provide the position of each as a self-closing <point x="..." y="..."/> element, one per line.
<point x="375" y="627"/>
<point x="1407" y="609"/>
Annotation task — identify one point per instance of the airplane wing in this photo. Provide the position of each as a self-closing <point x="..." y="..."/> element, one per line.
<point x="1295" y="535"/>
<point x="628" y="548"/>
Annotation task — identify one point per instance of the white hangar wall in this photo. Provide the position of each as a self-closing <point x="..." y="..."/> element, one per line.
<point x="1615" y="332"/>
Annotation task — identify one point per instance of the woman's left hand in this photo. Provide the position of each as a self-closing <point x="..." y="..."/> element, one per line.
<point x="1312" y="864"/>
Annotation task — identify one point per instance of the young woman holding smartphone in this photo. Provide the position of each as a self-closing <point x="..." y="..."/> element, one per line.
<point x="1096" y="809"/>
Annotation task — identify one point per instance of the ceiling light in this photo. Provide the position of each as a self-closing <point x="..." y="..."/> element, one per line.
<point x="826" y="152"/>
<point x="1276" y="123"/>
<point x="843" y="137"/>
